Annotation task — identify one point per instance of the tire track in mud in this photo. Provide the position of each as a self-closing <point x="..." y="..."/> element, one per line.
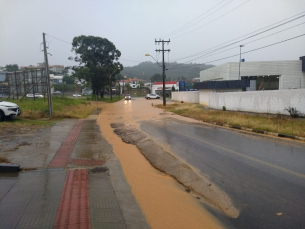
<point x="173" y="166"/>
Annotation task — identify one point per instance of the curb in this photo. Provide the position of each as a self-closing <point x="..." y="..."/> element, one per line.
<point x="9" y="168"/>
<point x="258" y="131"/>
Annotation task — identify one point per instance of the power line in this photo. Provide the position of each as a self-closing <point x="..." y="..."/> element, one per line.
<point x="207" y="55"/>
<point x="201" y="52"/>
<point x="212" y="20"/>
<point x="209" y="51"/>
<point x="247" y="51"/>
<point x="59" y="39"/>
<point x="183" y="27"/>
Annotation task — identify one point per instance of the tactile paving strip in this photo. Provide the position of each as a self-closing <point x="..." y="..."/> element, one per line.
<point x="73" y="211"/>
<point x="61" y="158"/>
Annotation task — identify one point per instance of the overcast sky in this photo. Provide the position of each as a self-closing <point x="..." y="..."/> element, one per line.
<point x="133" y="25"/>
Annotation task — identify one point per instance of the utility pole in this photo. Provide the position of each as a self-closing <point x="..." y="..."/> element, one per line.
<point x="163" y="65"/>
<point x="47" y="77"/>
<point x="239" y="61"/>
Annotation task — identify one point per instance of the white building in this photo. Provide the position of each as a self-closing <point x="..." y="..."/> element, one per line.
<point x="57" y="68"/>
<point x="56" y="79"/>
<point x="268" y="75"/>
<point x="273" y="87"/>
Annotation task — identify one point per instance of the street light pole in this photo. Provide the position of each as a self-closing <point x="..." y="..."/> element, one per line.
<point x="239" y="61"/>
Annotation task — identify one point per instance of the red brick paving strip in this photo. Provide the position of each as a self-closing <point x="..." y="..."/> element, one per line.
<point x="61" y="158"/>
<point x="73" y="211"/>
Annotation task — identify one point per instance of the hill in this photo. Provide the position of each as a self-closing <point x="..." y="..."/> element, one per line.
<point x="146" y="70"/>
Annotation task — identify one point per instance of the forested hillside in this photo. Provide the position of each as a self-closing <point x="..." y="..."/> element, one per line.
<point x="146" y="70"/>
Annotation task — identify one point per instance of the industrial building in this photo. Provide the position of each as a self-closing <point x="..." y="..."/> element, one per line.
<point x="263" y="75"/>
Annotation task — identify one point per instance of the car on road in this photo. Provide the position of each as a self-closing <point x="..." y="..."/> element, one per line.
<point x="127" y="97"/>
<point x="152" y="96"/>
<point x="34" y="95"/>
<point x="57" y="93"/>
<point x="9" y="110"/>
<point x="76" y="95"/>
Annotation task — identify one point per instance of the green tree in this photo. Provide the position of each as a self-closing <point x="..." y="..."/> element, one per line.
<point x="12" y="67"/>
<point x="68" y="79"/>
<point x="173" y="88"/>
<point x="156" y="78"/>
<point x="128" y="87"/>
<point x="100" y="57"/>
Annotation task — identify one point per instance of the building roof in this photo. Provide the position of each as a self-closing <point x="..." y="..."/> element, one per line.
<point x="169" y="82"/>
<point x="135" y="80"/>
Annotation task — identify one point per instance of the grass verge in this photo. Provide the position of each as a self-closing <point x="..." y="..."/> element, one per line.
<point x="62" y="108"/>
<point x="270" y="123"/>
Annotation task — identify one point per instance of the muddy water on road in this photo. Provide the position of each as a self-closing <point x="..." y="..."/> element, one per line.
<point x="163" y="201"/>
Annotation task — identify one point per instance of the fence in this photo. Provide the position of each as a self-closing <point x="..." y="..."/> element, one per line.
<point x="18" y="84"/>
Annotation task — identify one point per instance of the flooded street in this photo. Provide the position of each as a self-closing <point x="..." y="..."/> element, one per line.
<point x="164" y="201"/>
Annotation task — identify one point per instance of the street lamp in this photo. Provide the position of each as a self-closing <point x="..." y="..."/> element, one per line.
<point x="239" y="61"/>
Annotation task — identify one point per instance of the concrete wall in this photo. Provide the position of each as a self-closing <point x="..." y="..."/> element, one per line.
<point x="186" y="96"/>
<point x="256" y="101"/>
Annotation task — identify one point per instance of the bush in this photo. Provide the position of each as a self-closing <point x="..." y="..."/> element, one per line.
<point x="224" y="108"/>
<point x="294" y="113"/>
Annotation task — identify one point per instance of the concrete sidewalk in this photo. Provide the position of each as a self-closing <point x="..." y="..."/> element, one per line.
<point x="71" y="187"/>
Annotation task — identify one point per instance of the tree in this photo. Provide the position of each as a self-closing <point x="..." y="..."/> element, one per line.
<point x="68" y="79"/>
<point x="12" y="67"/>
<point x="100" y="57"/>
<point x="156" y="78"/>
<point x="128" y="87"/>
<point x="173" y="88"/>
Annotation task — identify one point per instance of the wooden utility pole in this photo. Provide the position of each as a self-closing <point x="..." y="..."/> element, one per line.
<point x="163" y="66"/>
<point x="47" y="77"/>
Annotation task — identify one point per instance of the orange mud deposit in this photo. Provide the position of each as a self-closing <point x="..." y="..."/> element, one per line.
<point x="164" y="202"/>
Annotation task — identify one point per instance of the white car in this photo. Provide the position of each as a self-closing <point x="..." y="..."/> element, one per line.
<point x="36" y="95"/>
<point x="8" y="110"/>
<point x="76" y="95"/>
<point x="152" y="96"/>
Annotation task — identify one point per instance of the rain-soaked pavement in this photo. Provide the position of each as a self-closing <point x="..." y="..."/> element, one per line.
<point x="65" y="182"/>
<point x="264" y="176"/>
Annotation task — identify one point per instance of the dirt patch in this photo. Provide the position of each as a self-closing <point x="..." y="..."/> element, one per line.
<point x="4" y="160"/>
<point x="168" y="163"/>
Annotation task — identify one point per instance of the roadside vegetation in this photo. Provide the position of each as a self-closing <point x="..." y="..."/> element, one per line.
<point x="265" y="122"/>
<point x="63" y="107"/>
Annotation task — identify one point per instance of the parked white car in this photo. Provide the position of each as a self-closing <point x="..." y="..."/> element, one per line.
<point x="76" y="95"/>
<point x="8" y="110"/>
<point x="36" y="95"/>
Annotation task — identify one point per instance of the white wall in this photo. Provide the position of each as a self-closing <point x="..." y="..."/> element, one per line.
<point x="256" y="101"/>
<point x="186" y="96"/>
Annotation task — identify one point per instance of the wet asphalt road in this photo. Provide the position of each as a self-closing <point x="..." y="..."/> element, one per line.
<point x="264" y="176"/>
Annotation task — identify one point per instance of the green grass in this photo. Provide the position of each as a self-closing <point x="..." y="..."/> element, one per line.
<point x="63" y="107"/>
<point x="271" y="123"/>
